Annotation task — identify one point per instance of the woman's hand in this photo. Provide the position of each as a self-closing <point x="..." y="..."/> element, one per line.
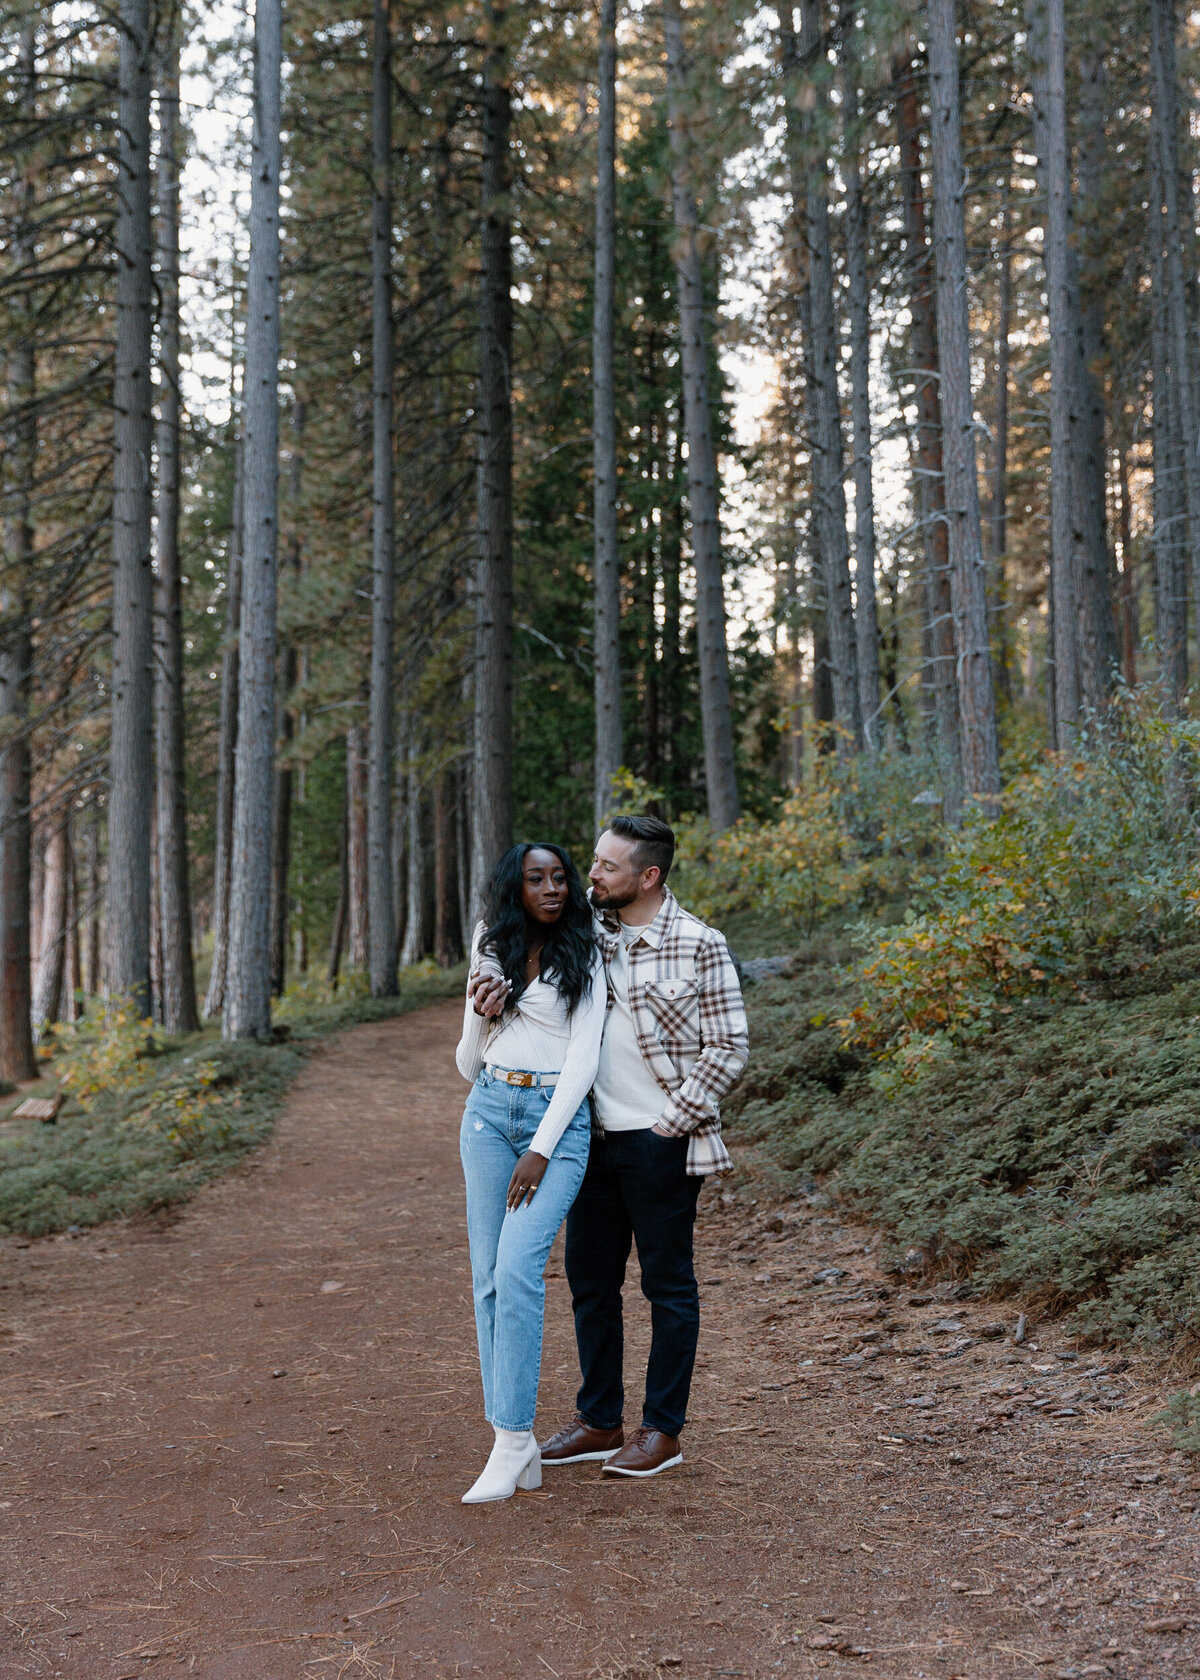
<point x="489" y="993"/>
<point x="527" y="1175"/>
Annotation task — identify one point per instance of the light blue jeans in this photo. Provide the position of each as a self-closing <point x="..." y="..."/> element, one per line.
<point x="509" y="1250"/>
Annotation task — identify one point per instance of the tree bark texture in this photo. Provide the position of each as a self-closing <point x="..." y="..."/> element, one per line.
<point x="999" y="487"/>
<point x="248" y="984"/>
<point x="810" y="200"/>
<point x="414" y="894"/>
<point x="491" y="785"/>
<point x="48" y="984"/>
<point x="131" y="752"/>
<point x="178" y="985"/>
<point x="281" y="829"/>
<point x="720" y="767"/>
<point x="447" y="946"/>
<point x="940" y="653"/>
<point x="1180" y="370"/>
<point x="356" y="808"/>
<point x="90" y="907"/>
<point x="968" y="574"/>
<point x="607" y="572"/>
<point x="285" y="775"/>
<point x="341" y="915"/>
<point x="227" y="729"/>
<point x="866" y="618"/>
<point x="1099" y="651"/>
<point x="1169" y="508"/>
<point x="1077" y="662"/>
<point x="16" y="637"/>
<point x="381" y="965"/>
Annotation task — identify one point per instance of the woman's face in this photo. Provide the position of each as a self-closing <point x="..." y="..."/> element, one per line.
<point x="543" y="887"/>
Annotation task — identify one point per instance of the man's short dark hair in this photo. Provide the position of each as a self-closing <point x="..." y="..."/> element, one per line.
<point x="653" y="838"/>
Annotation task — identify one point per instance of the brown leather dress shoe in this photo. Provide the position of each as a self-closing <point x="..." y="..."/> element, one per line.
<point x="646" y="1452"/>
<point x="579" y="1442"/>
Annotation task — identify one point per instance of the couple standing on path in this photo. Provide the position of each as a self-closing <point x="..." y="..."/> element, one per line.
<point x="636" y="1002"/>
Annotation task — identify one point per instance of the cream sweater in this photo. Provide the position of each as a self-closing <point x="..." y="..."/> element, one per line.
<point x="538" y="1036"/>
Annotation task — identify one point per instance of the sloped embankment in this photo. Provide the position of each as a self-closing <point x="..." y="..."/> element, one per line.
<point x="1057" y="1156"/>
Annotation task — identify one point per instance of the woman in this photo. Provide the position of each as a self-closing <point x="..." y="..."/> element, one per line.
<point x="526" y="1130"/>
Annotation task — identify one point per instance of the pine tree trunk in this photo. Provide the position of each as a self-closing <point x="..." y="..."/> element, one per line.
<point x="214" y="998"/>
<point x="382" y="905"/>
<point x="810" y="204"/>
<point x="341" y="915"/>
<point x="1170" y="518"/>
<point x="1180" y="370"/>
<point x="607" y="572"/>
<point x="720" y="767"/>
<point x="999" y="499"/>
<point x="131" y="753"/>
<point x="178" y="996"/>
<point x="281" y="831"/>
<point x="1067" y="492"/>
<point x="866" y="620"/>
<point x="285" y="778"/>
<point x="447" y="947"/>
<point x="1099" y="653"/>
<point x="48" y="983"/>
<point x="92" y="893"/>
<point x="356" y="806"/>
<point x="414" y="924"/>
<point x="69" y="1007"/>
<point x="940" y="655"/>
<point x="463" y="844"/>
<point x="248" y="983"/>
<point x="16" y="639"/>
<point x="968" y="574"/>
<point x="491" y="785"/>
<point x="399" y="830"/>
<point x="822" y="690"/>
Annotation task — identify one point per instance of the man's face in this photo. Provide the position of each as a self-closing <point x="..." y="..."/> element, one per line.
<point x="615" y="880"/>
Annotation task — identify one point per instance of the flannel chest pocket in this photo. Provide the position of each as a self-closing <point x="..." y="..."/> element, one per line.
<point x="675" y="1005"/>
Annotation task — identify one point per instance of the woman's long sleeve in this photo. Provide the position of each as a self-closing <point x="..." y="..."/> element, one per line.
<point x="469" y="1055"/>
<point x="578" y="1073"/>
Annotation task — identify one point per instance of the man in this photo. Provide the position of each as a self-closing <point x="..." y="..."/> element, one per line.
<point x="675" y="1040"/>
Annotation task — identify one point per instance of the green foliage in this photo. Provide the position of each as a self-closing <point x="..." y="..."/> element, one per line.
<point x="1181" y="1416"/>
<point x="1089" y="856"/>
<point x="141" y="1149"/>
<point x="1056" y="1156"/>
<point x="1014" y="1098"/>
<point x="848" y="837"/>
<point x="103" y="1053"/>
<point x="151" y="1121"/>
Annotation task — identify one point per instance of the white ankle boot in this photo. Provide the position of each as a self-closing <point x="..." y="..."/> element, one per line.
<point x="515" y="1463"/>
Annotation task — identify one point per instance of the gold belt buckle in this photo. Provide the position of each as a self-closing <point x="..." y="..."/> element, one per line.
<point x="522" y="1079"/>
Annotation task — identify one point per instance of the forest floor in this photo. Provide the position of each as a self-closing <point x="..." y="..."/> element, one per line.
<point x="234" y="1446"/>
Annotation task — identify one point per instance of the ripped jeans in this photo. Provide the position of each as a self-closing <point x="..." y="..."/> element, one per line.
<point x="509" y="1250"/>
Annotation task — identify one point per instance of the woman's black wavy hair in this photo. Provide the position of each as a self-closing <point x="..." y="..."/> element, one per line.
<point x="570" y="948"/>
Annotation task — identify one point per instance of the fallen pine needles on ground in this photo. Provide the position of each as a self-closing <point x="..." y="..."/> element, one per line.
<point x="151" y="1119"/>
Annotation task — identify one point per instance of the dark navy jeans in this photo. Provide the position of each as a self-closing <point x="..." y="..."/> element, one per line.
<point x="636" y="1188"/>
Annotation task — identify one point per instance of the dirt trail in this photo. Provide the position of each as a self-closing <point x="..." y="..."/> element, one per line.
<point x="235" y="1448"/>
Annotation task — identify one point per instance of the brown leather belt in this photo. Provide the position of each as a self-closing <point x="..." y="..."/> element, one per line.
<point x="519" y="1076"/>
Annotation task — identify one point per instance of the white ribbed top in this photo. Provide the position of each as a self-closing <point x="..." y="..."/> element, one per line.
<point x="538" y="1036"/>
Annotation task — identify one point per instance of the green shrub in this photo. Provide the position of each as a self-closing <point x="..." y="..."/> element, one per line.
<point x="1057" y="1156"/>
<point x="149" y="1119"/>
<point x="850" y="837"/>
<point x="1088" y="857"/>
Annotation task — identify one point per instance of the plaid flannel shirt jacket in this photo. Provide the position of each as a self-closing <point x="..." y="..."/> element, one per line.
<point x="690" y="1021"/>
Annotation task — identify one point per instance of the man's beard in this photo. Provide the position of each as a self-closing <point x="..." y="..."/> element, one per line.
<point x="610" y="900"/>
